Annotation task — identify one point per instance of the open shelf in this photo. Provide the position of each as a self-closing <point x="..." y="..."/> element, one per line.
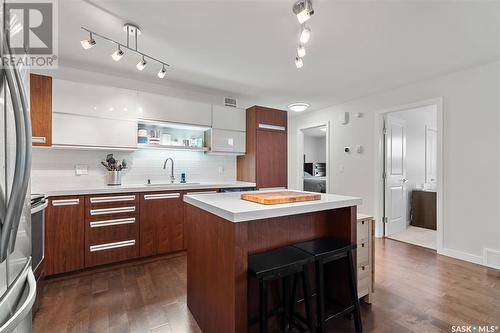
<point x="170" y="147"/>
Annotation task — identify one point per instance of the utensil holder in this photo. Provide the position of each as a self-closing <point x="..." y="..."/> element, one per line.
<point x="114" y="177"/>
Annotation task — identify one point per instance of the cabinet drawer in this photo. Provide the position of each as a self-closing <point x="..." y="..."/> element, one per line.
<point x="363" y="253"/>
<point x="104" y="253"/>
<point x="112" y="212"/>
<point x="111" y="200"/>
<point x="364" y="276"/>
<point x="104" y="231"/>
<point x="363" y="231"/>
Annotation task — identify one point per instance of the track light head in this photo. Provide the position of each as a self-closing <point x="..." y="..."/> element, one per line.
<point x="88" y="43"/>
<point x="303" y="10"/>
<point x="298" y="62"/>
<point x="301" y="51"/>
<point x="142" y="64"/>
<point x="162" y="72"/>
<point x="305" y="35"/>
<point x="118" y="54"/>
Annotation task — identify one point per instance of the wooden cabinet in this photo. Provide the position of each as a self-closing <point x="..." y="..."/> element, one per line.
<point x="424" y="209"/>
<point x="265" y="162"/>
<point x="41" y="109"/>
<point x="64" y="235"/>
<point x="111" y="228"/>
<point x="365" y="256"/>
<point x="162" y="223"/>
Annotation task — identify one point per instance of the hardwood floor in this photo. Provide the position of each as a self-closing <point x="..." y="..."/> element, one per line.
<point x="416" y="291"/>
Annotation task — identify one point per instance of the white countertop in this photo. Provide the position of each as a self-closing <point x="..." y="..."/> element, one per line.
<point x="231" y="207"/>
<point x="68" y="190"/>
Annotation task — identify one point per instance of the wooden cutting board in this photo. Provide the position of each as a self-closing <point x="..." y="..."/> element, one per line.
<point x="274" y="198"/>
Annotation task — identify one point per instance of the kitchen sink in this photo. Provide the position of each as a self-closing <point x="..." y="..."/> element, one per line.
<point x="171" y="184"/>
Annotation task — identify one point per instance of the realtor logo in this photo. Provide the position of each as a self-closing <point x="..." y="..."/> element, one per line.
<point x="31" y="33"/>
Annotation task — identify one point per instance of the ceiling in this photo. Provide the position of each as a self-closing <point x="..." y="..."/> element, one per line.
<point x="245" y="49"/>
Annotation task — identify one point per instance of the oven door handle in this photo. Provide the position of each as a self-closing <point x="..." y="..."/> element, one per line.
<point x="41" y="207"/>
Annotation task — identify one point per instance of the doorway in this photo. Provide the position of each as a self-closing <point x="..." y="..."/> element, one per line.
<point x="314" y="167"/>
<point x="410" y="175"/>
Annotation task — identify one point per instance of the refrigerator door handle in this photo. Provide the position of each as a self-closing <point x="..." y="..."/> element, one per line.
<point x="20" y="182"/>
<point x="23" y="310"/>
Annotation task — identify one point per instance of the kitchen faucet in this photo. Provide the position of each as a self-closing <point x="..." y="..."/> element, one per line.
<point x="172" y="178"/>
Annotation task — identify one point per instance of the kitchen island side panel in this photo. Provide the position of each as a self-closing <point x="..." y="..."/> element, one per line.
<point x="218" y="249"/>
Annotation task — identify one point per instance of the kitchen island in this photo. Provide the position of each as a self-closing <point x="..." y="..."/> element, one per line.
<point x="222" y="230"/>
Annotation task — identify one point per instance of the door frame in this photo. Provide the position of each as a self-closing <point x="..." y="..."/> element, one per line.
<point x="300" y="154"/>
<point x="379" y="164"/>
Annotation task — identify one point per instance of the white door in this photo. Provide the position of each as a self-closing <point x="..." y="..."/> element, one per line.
<point x="395" y="175"/>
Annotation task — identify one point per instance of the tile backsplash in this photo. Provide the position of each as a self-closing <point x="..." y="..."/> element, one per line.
<point x="53" y="169"/>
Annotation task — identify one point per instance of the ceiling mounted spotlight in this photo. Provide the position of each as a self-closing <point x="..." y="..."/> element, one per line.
<point x="298" y="107"/>
<point x="132" y="32"/>
<point x="118" y="54"/>
<point x="301" y="51"/>
<point x="141" y="64"/>
<point x="162" y="73"/>
<point x="88" y="43"/>
<point x="303" y="9"/>
<point x="305" y="35"/>
<point x="298" y="62"/>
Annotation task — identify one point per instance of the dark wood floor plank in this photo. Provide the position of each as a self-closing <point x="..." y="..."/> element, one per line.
<point x="415" y="291"/>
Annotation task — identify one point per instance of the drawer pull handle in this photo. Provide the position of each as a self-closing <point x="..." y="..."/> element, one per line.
<point x="107" y="223"/>
<point x="363" y="268"/>
<point x="162" y="196"/>
<point x="120" y="198"/>
<point x="363" y="245"/>
<point x="115" y="210"/>
<point x="272" y="127"/>
<point x="109" y="246"/>
<point x="39" y="139"/>
<point x="363" y="222"/>
<point x="66" y="202"/>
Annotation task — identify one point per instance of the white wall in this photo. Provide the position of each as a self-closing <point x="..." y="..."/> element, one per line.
<point x="54" y="169"/>
<point x="471" y="152"/>
<point x="315" y="149"/>
<point x="416" y="121"/>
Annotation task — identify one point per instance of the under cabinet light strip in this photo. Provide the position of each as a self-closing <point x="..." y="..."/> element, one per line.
<point x="125" y="46"/>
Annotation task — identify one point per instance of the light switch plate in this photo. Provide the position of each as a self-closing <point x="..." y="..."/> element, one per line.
<point x="81" y="169"/>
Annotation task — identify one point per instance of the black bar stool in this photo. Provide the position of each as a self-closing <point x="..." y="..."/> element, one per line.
<point x="328" y="250"/>
<point x="282" y="263"/>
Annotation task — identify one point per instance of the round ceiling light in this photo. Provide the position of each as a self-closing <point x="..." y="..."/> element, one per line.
<point x="298" y="107"/>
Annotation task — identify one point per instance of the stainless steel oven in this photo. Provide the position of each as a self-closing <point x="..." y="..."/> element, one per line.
<point x="38" y="204"/>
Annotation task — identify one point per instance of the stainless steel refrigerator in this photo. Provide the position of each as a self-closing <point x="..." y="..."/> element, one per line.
<point x="17" y="283"/>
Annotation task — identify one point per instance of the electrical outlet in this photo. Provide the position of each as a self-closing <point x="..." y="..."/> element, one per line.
<point x="81" y="169"/>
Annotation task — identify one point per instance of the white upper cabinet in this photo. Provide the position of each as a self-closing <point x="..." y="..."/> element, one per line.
<point x="93" y="100"/>
<point x="170" y="109"/>
<point x="79" y="130"/>
<point x="226" y="141"/>
<point x="228" y="118"/>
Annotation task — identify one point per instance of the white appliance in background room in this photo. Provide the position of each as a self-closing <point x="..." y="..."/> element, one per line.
<point x="17" y="283"/>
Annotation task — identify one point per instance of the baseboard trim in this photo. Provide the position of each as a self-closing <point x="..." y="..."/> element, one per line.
<point x="475" y="259"/>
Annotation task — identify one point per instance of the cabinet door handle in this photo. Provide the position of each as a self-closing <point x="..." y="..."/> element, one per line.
<point x="115" y="210"/>
<point x="272" y="127"/>
<point x="39" y="139"/>
<point x="162" y="196"/>
<point x="66" y="202"/>
<point x="109" y="246"/>
<point x="201" y="192"/>
<point x="120" y="198"/>
<point x="107" y="223"/>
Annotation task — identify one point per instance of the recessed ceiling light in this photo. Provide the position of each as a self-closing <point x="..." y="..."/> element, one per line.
<point x="298" y="107"/>
<point x="298" y="62"/>
<point x="305" y="35"/>
<point x="303" y="9"/>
